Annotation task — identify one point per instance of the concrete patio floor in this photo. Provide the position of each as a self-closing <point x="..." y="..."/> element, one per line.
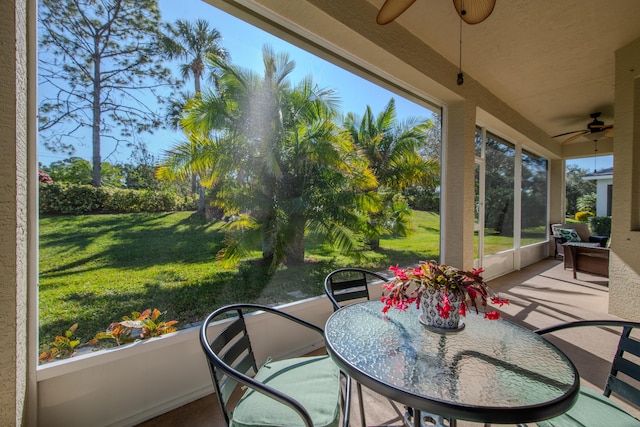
<point x="541" y="295"/>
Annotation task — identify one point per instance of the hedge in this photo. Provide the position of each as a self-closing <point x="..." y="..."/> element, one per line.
<point x="58" y="198"/>
<point x="600" y="225"/>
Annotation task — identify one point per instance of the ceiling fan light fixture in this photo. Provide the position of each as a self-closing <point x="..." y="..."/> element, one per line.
<point x="596" y="125"/>
<point x="594" y="135"/>
<point x="474" y="11"/>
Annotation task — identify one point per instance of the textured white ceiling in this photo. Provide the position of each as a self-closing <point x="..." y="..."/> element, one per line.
<point x="552" y="61"/>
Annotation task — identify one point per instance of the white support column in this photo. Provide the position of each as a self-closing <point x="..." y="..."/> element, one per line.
<point x="458" y="162"/>
<point x="624" y="262"/>
<point x="517" y="207"/>
<point x="556" y="191"/>
<point x="556" y="197"/>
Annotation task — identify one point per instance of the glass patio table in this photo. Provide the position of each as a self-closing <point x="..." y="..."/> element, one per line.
<point x="490" y="371"/>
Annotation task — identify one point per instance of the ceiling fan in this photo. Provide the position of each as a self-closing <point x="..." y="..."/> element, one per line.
<point x="595" y="130"/>
<point x="471" y="11"/>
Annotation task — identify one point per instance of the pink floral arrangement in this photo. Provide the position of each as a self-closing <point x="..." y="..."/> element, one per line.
<point x="469" y="287"/>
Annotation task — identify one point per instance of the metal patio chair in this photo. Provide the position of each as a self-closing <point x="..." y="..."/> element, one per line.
<point x="597" y="410"/>
<point x="346" y="286"/>
<point x="302" y="391"/>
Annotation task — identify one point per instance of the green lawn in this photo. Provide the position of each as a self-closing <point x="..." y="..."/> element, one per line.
<point x="94" y="269"/>
<point x="494" y="243"/>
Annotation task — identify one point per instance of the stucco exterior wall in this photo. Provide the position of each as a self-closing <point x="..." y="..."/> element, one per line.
<point x="13" y="216"/>
<point x="601" y="195"/>
<point x="624" y="263"/>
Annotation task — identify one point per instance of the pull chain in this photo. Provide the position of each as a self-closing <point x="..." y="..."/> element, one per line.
<point x="460" y="75"/>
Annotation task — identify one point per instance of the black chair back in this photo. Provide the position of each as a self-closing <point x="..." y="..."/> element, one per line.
<point x="347" y="285"/>
<point x="627" y="366"/>
<point x="231" y="349"/>
<point x="625" y="361"/>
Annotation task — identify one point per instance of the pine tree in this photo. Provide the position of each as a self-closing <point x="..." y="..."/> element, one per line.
<point x="99" y="62"/>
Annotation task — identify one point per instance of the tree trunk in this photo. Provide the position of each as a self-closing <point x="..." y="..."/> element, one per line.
<point x="97" y="160"/>
<point x="374" y="243"/>
<point x="201" y="199"/>
<point x="196" y="79"/>
<point x="372" y="238"/>
<point x="195" y="185"/>
<point x="268" y="250"/>
<point x="295" y="251"/>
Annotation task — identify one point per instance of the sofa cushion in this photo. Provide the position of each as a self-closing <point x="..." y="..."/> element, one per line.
<point x="582" y="228"/>
<point x="555" y="229"/>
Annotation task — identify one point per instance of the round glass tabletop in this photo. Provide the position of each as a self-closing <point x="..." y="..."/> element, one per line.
<point x="488" y="371"/>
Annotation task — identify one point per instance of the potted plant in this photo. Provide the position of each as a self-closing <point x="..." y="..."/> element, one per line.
<point x="443" y="292"/>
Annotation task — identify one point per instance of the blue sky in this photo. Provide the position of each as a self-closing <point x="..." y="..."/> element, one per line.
<point x="591" y="163"/>
<point x="245" y="42"/>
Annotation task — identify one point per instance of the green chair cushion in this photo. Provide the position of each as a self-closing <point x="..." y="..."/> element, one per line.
<point x="313" y="381"/>
<point x="592" y="409"/>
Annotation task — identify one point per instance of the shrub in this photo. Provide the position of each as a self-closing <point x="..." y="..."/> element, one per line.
<point x="423" y="199"/>
<point x="56" y="198"/>
<point x="600" y="225"/>
<point x="124" y="200"/>
<point x="587" y="203"/>
<point x="583" y="216"/>
<point x="187" y="203"/>
<point x="70" y="199"/>
<point x="64" y="346"/>
<point x="140" y="326"/>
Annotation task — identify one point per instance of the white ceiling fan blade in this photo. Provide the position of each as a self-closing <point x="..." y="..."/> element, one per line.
<point x="574" y="137"/>
<point x="391" y="9"/>
<point x="609" y="132"/>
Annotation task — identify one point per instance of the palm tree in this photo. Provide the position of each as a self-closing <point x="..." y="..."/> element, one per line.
<point x="193" y="42"/>
<point x="392" y="149"/>
<point x="278" y="161"/>
<point x="175" y="108"/>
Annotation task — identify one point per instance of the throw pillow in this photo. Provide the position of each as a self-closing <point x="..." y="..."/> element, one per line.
<point x="555" y="229"/>
<point x="570" y="234"/>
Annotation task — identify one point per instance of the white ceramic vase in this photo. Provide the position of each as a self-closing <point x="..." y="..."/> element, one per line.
<point x="429" y="310"/>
